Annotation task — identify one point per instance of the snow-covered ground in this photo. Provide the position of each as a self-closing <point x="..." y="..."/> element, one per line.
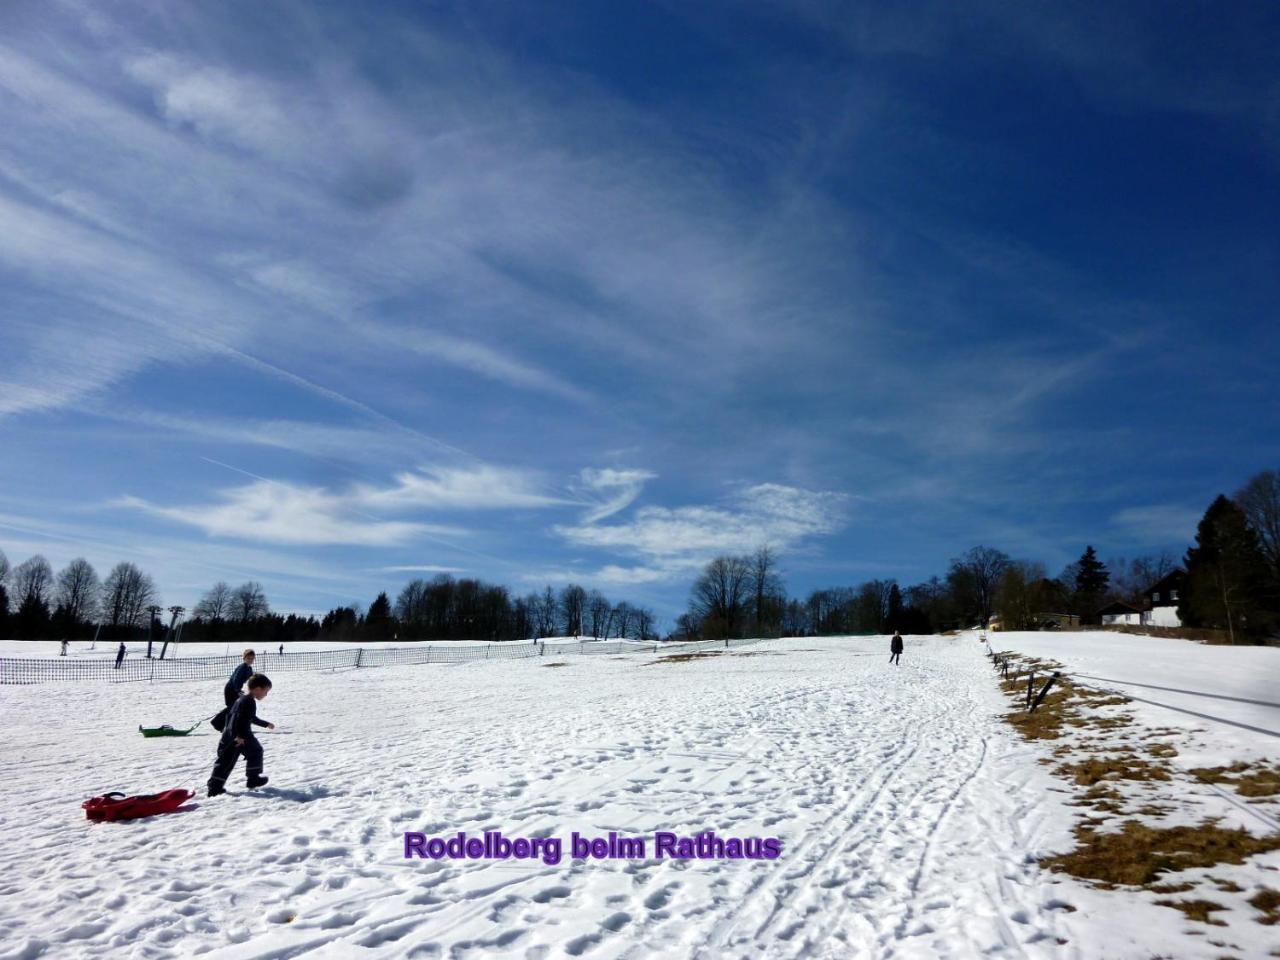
<point x="910" y="815"/>
<point x="1229" y="695"/>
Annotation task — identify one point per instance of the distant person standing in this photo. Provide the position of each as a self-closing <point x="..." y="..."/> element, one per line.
<point x="895" y="648"/>
<point x="120" y="655"/>
<point x="64" y="649"/>
<point x="231" y="692"/>
<point x="282" y="649"/>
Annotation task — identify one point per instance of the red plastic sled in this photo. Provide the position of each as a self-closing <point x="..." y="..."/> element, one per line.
<point x="117" y="806"/>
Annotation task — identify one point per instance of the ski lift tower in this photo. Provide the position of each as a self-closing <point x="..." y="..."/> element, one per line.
<point x="176" y="612"/>
<point x="151" y="629"/>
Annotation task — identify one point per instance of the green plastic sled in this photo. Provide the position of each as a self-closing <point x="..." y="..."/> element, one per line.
<point x="164" y="731"/>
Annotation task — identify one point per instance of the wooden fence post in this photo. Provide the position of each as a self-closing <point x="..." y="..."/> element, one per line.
<point x="1043" y="690"/>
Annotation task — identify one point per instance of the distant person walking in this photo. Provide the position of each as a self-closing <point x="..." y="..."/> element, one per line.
<point x="64" y="649"/>
<point x="231" y="692"/>
<point x="120" y="655"/>
<point x="895" y="648"/>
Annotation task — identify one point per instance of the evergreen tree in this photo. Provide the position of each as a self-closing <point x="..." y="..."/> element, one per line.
<point x="4" y="611"/>
<point x="32" y="621"/>
<point x="1091" y="585"/>
<point x="894" y="617"/>
<point x="378" y="625"/>
<point x="1227" y="585"/>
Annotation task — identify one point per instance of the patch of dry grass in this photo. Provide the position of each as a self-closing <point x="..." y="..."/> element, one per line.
<point x="685" y="657"/>
<point x="559" y="663"/>
<point x="1196" y="909"/>
<point x="1249" y="779"/>
<point x="1172" y="887"/>
<point x="1138" y="854"/>
<point x="1268" y="903"/>
<point x="1124" y="766"/>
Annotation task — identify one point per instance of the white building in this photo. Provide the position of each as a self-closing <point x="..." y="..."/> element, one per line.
<point x="1162" y="599"/>
<point x="1120" y="613"/>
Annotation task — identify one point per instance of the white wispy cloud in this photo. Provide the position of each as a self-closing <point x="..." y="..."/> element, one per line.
<point x="673" y="541"/>
<point x="612" y="490"/>
<point x="609" y="575"/>
<point x="422" y="568"/>
<point x="273" y="511"/>
<point x="476" y="487"/>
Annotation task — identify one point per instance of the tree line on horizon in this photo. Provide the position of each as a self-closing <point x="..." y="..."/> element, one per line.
<point x="1232" y="583"/>
<point x="75" y="604"/>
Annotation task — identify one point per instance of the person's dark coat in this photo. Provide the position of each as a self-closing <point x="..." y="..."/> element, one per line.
<point x="244" y="713"/>
<point x="895" y="645"/>
<point x="231" y="693"/>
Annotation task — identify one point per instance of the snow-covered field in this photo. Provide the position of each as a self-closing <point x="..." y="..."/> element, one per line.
<point x="1229" y="695"/>
<point x="910" y="816"/>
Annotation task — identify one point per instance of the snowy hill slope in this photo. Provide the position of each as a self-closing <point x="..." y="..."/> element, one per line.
<point x="910" y="816"/>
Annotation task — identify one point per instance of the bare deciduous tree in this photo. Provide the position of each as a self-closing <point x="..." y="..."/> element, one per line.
<point x="720" y="596"/>
<point x="78" y="590"/>
<point x="573" y="599"/>
<point x="623" y="615"/>
<point x="974" y="578"/>
<point x="126" y="594"/>
<point x="545" y="613"/>
<point x="249" y="602"/>
<point x="1260" y="501"/>
<point x="4" y="569"/>
<point x="216" y="603"/>
<point x="770" y="596"/>
<point x="32" y="580"/>
<point x="643" y="623"/>
<point x="598" y="607"/>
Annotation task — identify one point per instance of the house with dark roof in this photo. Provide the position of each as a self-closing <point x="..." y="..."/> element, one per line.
<point x="1118" y="612"/>
<point x="1162" y="599"/>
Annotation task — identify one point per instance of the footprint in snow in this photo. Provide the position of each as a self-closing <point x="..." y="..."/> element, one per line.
<point x="551" y="893"/>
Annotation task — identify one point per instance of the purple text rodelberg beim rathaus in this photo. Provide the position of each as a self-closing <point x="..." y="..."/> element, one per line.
<point x="493" y="845"/>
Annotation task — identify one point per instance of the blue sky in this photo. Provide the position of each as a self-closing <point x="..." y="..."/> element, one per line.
<point x="331" y="297"/>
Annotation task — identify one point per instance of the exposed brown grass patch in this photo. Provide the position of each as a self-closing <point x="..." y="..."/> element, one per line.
<point x="1103" y="799"/>
<point x="1268" y="903"/>
<point x="1196" y="909"/>
<point x="1172" y="887"/>
<point x="685" y="657"/>
<point x="1125" y="766"/>
<point x="1138" y="854"/>
<point x="1249" y="779"/>
<point x="558" y="663"/>
<point x="1162" y="750"/>
<point x="1227" y="886"/>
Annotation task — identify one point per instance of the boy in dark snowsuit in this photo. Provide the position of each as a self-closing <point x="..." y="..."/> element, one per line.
<point x="119" y="656"/>
<point x="238" y="739"/>
<point x="895" y="648"/>
<point x="231" y="692"/>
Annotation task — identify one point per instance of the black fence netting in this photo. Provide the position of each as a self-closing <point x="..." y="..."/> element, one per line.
<point x="132" y="668"/>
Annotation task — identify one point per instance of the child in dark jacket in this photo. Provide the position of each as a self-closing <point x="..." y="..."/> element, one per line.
<point x="231" y="692"/>
<point x="238" y="739"/>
